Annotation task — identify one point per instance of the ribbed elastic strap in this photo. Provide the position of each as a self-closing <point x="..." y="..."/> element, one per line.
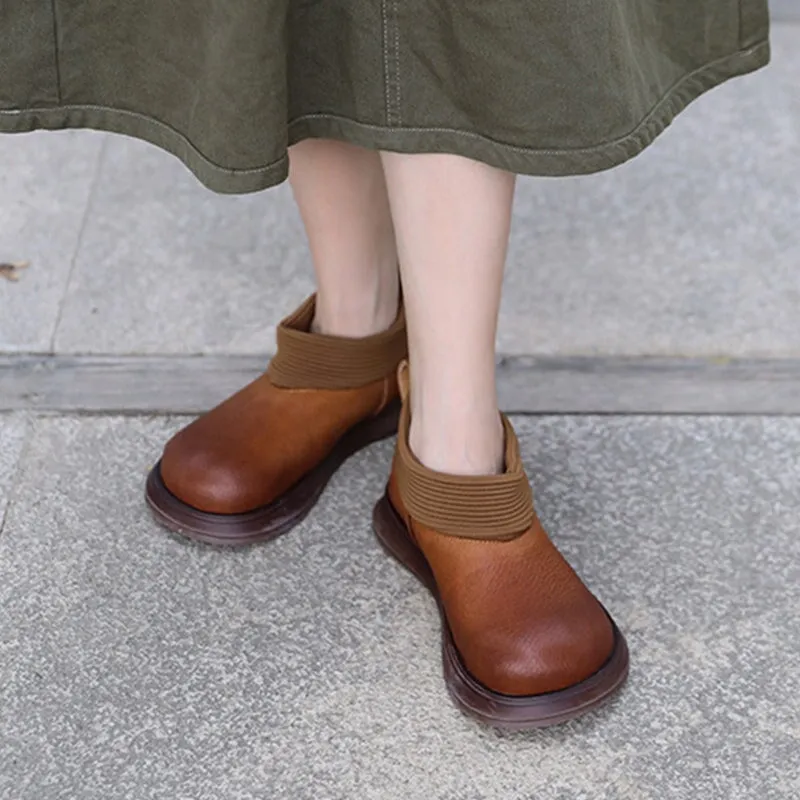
<point x="308" y="360"/>
<point x="467" y="506"/>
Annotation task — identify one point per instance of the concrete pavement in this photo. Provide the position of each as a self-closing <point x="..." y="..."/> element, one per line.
<point x="134" y="665"/>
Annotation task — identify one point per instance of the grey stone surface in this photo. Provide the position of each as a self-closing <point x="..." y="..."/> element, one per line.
<point x="14" y="429"/>
<point x="134" y="665"/>
<point x="785" y="10"/>
<point x="45" y="182"/>
<point x="166" y="266"/>
<point x="690" y="249"/>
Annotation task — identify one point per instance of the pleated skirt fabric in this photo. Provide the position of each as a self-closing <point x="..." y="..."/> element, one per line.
<point x="536" y="87"/>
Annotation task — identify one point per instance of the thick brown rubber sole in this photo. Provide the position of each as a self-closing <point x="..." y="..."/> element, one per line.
<point x="280" y="516"/>
<point x="490" y="707"/>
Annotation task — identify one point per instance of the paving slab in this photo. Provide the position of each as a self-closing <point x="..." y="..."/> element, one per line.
<point x="785" y="10"/>
<point x="134" y="665"/>
<point x="166" y="266"/>
<point x="45" y="183"/>
<point x="690" y="249"/>
<point x="14" y="429"/>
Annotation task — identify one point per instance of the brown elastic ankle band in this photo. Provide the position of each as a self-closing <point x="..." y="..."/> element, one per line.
<point x="308" y="360"/>
<point x="467" y="506"/>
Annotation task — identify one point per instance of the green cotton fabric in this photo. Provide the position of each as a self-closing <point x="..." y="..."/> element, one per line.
<point x="538" y="87"/>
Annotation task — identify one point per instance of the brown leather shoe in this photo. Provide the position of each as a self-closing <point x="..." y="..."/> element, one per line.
<point x="525" y="644"/>
<point x="254" y="466"/>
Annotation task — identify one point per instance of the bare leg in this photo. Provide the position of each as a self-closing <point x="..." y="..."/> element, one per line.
<point x="453" y="217"/>
<point x="341" y="193"/>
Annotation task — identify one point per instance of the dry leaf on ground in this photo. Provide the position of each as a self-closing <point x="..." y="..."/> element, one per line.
<point x="11" y="271"/>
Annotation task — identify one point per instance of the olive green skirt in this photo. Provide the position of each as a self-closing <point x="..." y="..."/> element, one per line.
<point x="537" y="87"/>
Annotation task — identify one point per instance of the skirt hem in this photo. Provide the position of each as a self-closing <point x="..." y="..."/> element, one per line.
<point x="521" y="160"/>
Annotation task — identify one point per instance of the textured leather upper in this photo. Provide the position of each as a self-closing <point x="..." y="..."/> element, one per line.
<point x="251" y="448"/>
<point x="258" y="443"/>
<point x="521" y="618"/>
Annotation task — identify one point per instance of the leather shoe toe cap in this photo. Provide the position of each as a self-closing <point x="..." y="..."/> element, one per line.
<point x="203" y="478"/>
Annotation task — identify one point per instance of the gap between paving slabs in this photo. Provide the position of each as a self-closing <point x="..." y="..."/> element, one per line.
<point x="527" y="385"/>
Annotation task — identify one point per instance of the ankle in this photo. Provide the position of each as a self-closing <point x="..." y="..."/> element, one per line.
<point x="353" y="321"/>
<point x="470" y="444"/>
<point x="357" y="314"/>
